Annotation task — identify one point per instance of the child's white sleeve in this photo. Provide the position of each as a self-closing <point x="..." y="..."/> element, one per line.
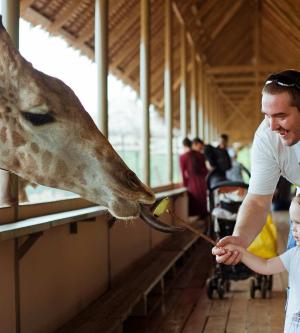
<point x="286" y="257"/>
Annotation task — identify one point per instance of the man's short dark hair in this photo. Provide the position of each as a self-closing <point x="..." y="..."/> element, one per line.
<point x="273" y="88"/>
<point x="186" y="142"/>
<point x="224" y="137"/>
<point x="197" y="141"/>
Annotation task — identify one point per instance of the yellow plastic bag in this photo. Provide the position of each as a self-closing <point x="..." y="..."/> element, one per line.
<point x="265" y="244"/>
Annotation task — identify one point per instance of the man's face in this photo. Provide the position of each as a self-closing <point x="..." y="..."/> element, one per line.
<point x="282" y="118"/>
<point x="198" y="147"/>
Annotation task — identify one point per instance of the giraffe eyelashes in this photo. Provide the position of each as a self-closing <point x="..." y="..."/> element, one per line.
<point x="38" y="119"/>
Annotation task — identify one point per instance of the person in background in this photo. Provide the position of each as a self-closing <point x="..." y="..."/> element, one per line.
<point x="198" y="145"/>
<point x="194" y="174"/>
<point x="186" y="147"/>
<point x="235" y="172"/>
<point x="282" y="195"/>
<point x="219" y="160"/>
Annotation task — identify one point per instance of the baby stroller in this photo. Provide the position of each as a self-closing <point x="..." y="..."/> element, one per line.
<point x="225" y="198"/>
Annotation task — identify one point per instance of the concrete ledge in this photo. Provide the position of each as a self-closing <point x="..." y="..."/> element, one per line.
<point x="45" y="222"/>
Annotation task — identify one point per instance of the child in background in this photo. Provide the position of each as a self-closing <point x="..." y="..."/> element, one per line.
<point x="289" y="261"/>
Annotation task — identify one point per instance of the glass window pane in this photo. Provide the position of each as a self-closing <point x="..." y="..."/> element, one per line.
<point x="158" y="156"/>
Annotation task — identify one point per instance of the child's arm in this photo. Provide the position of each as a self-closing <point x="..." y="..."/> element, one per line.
<point x="257" y="264"/>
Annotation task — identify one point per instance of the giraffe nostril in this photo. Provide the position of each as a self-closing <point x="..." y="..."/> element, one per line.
<point x="132" y="180"/>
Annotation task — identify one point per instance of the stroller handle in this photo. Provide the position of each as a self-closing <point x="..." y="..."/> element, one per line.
<point x="228" y="183"/>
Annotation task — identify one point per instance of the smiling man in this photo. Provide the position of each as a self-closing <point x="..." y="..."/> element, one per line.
<point x="275" y="152"/>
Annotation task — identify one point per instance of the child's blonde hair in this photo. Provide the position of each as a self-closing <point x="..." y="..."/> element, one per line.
<point x="296" y="199"/>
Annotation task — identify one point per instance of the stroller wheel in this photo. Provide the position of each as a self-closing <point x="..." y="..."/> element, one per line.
<point x="221" y="288"/>
<point x="264" y="287"/>
<point x="210" y="288"/>
<point x="252" y="288"/>
<point x="227" y="286"/>
<point x="270" y="282"/>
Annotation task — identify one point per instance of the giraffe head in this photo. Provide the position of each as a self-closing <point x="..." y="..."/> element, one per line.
<point x="47" y="137"/>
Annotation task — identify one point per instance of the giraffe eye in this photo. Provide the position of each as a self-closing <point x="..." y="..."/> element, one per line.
<point x="38" y="119"/>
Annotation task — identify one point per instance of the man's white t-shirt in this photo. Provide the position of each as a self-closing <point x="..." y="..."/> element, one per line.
<point x="270" y="159"/>
<point x="291" y="262"/>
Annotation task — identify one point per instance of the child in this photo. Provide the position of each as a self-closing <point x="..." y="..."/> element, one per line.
<point x="290" y="261"/>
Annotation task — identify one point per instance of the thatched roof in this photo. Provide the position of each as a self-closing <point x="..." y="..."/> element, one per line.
<point x="240" y="41"/>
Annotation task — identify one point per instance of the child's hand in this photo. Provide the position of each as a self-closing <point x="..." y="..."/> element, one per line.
<point x="225" y="253"/>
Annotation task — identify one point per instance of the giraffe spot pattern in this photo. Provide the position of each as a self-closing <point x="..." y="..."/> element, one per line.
<point x="18" y="140"/>
<point x="31" y="163"/>
<point x="35" y="147"/>
<point x="16" y="163"/>
<point x="46" y="159"/>
<point x="61" y="168"/>
<point x="3" y="134"/>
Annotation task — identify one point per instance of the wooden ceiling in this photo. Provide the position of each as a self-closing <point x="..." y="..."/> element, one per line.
<point x="239" y="41"/>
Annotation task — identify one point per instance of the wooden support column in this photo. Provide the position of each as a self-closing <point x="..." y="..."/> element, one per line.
<point x="101" y="58"/>
<point x="145" y="87"/>
<point x="209" y="118"/>
<point x="200" y="99"/>
<point x="183" y="82"/>
<point x="194" y="106"/>
<point x="168" y="88"/>
<point x="214" y="116"/>
<point x="206" y="110"/>
<point x="256" y="61"/>
<point x="10" y="16"/>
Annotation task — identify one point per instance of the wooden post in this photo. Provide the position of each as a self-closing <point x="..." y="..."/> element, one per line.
<point x="200" y="99"/>
<point x="10" y="15"/>
<point x="183" y="82"/>
<point x="256" y="60"/>
<point x="145" y="87"/>
<point x="194" y="113"/>
<point x="168" y="88"/>
<point x="101" y="58"/>
<point x="206" y="111"/>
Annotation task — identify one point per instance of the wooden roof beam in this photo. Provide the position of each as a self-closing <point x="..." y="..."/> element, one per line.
<point x="24" y="4"/>
<point x="86" y="33"/>
<point x="243" y="69"/>
<point x="66" y="11"/>
<point x="235" y="79"/>
<point x="226" y="18"/>
<point x="240" y="107"/>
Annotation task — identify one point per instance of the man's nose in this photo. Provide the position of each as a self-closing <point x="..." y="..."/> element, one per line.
<point x="273" y="124"/>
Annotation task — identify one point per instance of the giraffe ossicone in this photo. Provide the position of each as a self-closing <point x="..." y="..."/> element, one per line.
<point x="47" y="137"/>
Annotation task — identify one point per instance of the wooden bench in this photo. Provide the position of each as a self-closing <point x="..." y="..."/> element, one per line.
<point x="136" y="292"/>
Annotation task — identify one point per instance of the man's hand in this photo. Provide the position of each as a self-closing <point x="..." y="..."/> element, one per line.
<point x="224" y="256"/>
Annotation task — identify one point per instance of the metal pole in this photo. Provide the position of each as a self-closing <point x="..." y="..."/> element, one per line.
<point x="101" y="59"/>
<point x="168" y="88"/>
<point x="200" y="99"/>
<point x="183" y="84"/>
<point x="145" y="87"/>
<point x="194" y="113"/>
<point x="10" y="15"/>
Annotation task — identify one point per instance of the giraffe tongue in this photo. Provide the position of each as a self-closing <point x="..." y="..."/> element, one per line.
<point x="155" y="223"/>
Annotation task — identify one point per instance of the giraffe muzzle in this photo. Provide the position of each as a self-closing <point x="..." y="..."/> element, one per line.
<point x="155" y="223"/>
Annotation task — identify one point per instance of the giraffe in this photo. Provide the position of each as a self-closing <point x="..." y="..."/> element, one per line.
<point x="47" y="137"/>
